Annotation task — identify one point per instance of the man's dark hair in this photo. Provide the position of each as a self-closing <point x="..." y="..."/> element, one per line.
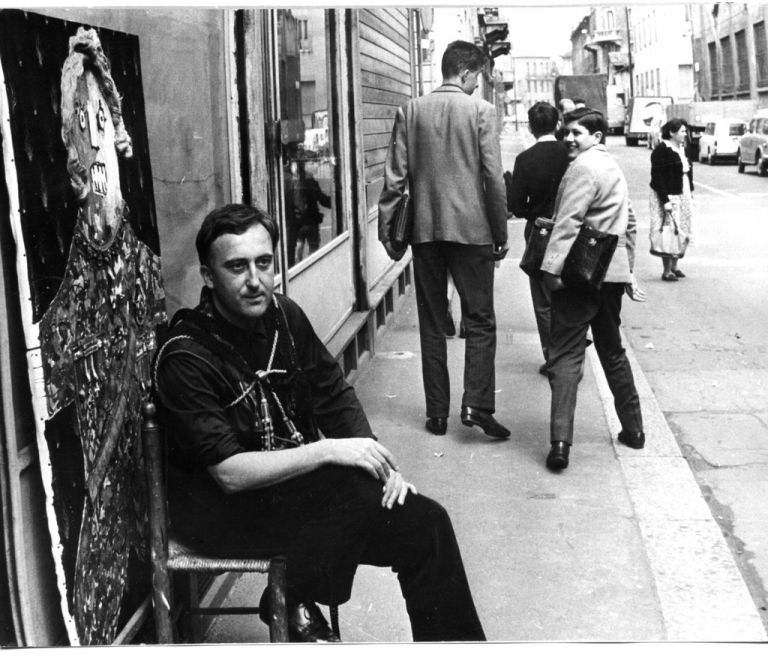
<point x="592" y="120"/>
<point x="579" y="100"/>
<point x="234" y="218"/>
<point x="672" y="126"/>
<point x="542" y="118"/>
<point x="461" y="55"/>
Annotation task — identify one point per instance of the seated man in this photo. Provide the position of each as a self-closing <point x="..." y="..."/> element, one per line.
<point x="246" y="388"/>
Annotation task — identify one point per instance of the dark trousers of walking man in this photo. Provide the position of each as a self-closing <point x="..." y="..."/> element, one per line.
<point x="573" y="312"/>
<point x="472" y="268"/>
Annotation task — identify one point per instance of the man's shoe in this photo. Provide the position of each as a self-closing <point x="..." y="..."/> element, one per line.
<point x="305" y="621"/>
<point x="634" y="440"/>
<point x="557" y="459"/>
<point x="437" y="425"/>
<point x="307" y="624"/>
<point x="485" y="421"/>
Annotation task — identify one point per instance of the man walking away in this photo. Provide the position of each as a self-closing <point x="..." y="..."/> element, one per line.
<point x="445" y="150"/>
<point x="535" y="178"/>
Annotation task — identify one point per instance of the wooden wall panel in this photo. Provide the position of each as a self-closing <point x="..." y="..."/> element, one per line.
<point x="386" y="83"/>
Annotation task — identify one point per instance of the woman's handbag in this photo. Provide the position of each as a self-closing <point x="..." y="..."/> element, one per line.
<point x="588" y="260"/>
<point x="669" y="240"/>
<point x="536" y="245"/>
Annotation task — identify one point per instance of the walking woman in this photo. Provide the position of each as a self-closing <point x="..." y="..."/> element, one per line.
<point x="671" y="189"/>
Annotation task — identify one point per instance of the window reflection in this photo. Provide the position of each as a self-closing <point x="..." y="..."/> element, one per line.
<point x="308" y="157"/>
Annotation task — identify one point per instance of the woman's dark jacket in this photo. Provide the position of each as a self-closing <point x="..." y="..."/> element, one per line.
<point x="667" y="172"/>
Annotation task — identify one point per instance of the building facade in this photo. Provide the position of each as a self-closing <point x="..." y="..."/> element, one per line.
<point x="730" y="50"/>
<point x="249" y="105"/>
<point x="600" y="44"/>
<point x="662" y="55"/>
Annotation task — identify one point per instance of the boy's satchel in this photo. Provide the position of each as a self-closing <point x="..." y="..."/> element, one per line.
<point x="589" y="258"/>
<point x="535" y="247"/>
<point x="402" y="225"/>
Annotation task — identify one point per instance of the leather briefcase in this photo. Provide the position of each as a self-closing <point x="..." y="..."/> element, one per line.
<point x="402" y="224"/>
<point x="533" y="256"/>
<point x="588" y="260"/>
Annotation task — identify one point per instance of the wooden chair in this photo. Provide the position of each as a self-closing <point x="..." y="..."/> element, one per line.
<point x="169" y="556"/>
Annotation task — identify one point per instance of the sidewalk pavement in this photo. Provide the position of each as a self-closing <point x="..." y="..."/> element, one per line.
<point x="619" y="547"/>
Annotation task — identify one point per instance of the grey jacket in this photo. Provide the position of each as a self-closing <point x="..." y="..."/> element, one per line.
<point x="593" y="191"/>
<point x="445" y="148"/>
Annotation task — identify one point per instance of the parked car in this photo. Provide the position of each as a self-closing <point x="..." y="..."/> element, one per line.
<point x="720" y="139"/>
<point x="753" y="145"/>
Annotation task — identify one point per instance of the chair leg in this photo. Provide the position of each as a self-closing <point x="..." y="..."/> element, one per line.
<point x="334" y="610"/>
<point x="278" y="626"/>
<point x="161" y="600"/>
<point x="185" y="590"/>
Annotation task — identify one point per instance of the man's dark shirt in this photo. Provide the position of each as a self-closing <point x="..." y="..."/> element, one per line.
<point x="196" y="384"/>
<point x="535" y="178"/>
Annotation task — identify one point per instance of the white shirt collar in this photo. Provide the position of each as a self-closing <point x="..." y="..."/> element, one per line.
<point x="546" y="138"/>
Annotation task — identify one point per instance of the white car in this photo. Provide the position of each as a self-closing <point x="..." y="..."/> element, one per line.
<point x="720" y="139"/>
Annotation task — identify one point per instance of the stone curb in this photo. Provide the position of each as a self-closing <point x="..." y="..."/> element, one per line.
<point x="702" y="595"/>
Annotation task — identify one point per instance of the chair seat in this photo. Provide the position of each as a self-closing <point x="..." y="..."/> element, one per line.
<point x="183" y="558"/>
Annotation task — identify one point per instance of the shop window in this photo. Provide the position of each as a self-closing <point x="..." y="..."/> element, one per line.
<point x="761" y="54"/>
<point x="742" y="60"/>
<point x="713" y="68"/>
<point x="728" y="74"/>
<point x="309" y="181"/>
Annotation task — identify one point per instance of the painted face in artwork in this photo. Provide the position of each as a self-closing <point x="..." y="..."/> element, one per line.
<point x="94" y="139"/>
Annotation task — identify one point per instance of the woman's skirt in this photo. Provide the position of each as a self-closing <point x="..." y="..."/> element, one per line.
<point x="682" y="209"/>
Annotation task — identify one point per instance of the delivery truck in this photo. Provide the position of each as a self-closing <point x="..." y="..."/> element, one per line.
<point x="645" y="116"/>
<point x="700" y="113"/>
<point x="596" y="93"/>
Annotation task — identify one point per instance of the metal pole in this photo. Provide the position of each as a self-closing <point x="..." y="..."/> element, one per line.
<point x="629" y="54"/>
<point x="514" y="91"/>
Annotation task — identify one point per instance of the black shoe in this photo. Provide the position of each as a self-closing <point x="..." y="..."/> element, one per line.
<point x="634" y="440"/>
<point x="437" y="425"/>
<point x="485" y="421"/>
<point x="305" y="621"/>
<point x="557" y="459"/>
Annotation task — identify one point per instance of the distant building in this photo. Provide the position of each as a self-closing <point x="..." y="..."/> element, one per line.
<point x="730" y="52"/>
<point x="600" y="45"/>
<point x="662" y="58"/>
<point x="529" y="79"/>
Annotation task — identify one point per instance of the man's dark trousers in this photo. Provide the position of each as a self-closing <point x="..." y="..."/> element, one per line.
<point x="331" y="520"/>
<point x="541" y="296"/>
<point x="472" y="269"/>
<point x="573" y="312"/>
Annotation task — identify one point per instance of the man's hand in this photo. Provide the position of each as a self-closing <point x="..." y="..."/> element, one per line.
<point x="394" y="255"/>
<point x="633" y="290"/>
<point x="552" y="281"/>
<point x="395" y="490"/>
<point x="367" y="454"/>
<point x="500" y="250"/>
